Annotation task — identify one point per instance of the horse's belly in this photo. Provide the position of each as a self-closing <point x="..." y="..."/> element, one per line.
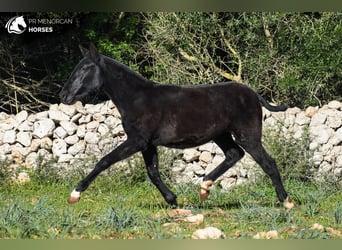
<point x="187" y="136"/>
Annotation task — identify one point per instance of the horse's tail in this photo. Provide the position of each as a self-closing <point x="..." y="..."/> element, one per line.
<point x="269" y="106"/>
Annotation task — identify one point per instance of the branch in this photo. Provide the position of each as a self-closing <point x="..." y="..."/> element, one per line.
<point x="187" y="56"/>
<point x="267" y="32"/>
<point x="238" y="76"/>
<point x="213" y="66"/>
<point x="24" y="92"/>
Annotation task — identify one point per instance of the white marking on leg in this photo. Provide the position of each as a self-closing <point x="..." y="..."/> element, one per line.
<point x="204" y="190"/>
<point x="74" y="197"/>
<point x="288" y="204"/>
<point x="75" y="194"/>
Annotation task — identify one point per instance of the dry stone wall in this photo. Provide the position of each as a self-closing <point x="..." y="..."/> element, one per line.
<point x="76" y="131"/>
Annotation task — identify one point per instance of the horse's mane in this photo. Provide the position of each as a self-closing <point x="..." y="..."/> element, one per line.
<point x="128" y="70"/>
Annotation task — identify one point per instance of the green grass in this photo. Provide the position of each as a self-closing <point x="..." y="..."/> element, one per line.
<point x="122" y="204"/>
<point x="117" y="207"/>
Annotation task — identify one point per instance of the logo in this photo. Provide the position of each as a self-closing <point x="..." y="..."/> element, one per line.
<point x="16" y="25"/>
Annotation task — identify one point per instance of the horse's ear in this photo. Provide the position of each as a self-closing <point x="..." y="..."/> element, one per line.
<point x="94" y="54"/>
<point x="83" y="50"/>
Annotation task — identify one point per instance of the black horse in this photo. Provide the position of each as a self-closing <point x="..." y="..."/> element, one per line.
<point x="155" y="114"/>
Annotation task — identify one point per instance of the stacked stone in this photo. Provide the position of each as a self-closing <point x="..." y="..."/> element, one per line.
<point x="325" y="132"/>
<point x="64" y="131"/>
<point x="197" y="162"/>
<point x="69" y="132"/>
<point x="326" y="135"/>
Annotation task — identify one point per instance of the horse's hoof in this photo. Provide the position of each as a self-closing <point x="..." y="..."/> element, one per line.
<point x="73" y="200"/>
<point x="171" y="199"/>
<point x="204" y="190"/>
<point x="204" y="194"/>
<point x="74" y="197"/>
<point x="288" y="204"/>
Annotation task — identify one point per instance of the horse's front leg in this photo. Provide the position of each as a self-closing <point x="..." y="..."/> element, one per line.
<point x="151" y="160"/>
<point x="124" y="150"/>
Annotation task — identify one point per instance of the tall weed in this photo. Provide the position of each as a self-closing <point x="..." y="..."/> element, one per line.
<point x="291" y="154"/>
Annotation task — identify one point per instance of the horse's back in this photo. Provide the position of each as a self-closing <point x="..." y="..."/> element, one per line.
<point x="193" y="115"/>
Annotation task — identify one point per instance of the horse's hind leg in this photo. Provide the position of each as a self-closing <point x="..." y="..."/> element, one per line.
<point x="151" y="160"/>
<point x="232" y="152"/>
<point x="252" y="144"/>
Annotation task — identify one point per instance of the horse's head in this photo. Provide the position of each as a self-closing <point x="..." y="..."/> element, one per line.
<point x="20" y="21"/>
<point x="85" y="79"/>
<point x="16" y="25"/>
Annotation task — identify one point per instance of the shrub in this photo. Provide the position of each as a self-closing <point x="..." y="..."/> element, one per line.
<point x="292" y="155"/>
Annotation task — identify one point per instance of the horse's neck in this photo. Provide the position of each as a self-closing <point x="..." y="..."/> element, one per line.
<point x="127" y="89"/>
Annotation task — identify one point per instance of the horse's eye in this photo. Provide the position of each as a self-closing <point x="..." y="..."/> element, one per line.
<point x="86" y="67"/>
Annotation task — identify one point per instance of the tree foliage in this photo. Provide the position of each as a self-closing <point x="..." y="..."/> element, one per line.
<point x="34" y="66"/>
<point x="293" y="58"/>
<point x="290" y="58"/>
